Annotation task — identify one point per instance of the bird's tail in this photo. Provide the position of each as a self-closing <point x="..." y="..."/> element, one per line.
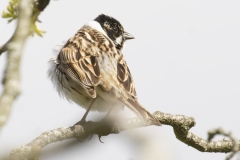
<point x="141" y="112"/>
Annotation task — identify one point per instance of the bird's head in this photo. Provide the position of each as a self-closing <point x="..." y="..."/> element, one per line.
<point x="114" y="30"/>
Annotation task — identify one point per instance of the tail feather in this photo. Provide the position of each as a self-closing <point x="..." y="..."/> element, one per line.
<point x="141" y="112"/>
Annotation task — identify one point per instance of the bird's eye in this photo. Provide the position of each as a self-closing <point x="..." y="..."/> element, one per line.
<point x="115" y="28"/>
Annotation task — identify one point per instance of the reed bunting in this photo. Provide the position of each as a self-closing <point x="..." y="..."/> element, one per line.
<point x="90" y="69"/>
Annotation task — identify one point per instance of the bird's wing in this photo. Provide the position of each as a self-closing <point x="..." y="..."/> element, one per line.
<point x="125" y="77"/>
<point x="78" y="59"/>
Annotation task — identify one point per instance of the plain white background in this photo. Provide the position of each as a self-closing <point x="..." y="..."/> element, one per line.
<point x="185" y="60"/>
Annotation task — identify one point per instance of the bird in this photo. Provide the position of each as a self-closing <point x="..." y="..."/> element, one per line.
<point x="91" y="71"/>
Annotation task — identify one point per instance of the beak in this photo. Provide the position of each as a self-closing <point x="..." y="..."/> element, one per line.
<point x="127" y="36"/>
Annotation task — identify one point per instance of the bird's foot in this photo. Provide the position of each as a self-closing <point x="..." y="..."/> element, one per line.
<point x="102" y="128"/>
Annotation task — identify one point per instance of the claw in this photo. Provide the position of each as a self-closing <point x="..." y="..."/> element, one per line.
<point x="99" y="137"/>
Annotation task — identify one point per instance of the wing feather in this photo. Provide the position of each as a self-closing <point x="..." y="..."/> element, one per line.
<point x="80" y="64"/>
<point x="125" y="78"/>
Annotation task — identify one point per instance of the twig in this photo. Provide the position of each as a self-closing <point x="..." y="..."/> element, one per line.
<point x="14" y="47"/>
<point x="235" y="141"/>
<point x="181" y="125"/>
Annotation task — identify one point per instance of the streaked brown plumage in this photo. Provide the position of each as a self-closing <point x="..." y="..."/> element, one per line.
<point x="91" y="66"/>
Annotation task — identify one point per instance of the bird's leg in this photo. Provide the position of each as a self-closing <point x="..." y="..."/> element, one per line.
<point x="105" y="128"/>
<point x="87" y="111"/>
<point x="83" y="120"/>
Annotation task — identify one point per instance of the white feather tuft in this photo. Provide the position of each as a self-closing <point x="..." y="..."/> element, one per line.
<point x="97" y="26"/>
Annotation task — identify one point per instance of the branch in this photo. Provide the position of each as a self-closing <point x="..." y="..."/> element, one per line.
<point x="14" y="47"/>
<point x="181" y="125"/>
<point x="235" y="141"/>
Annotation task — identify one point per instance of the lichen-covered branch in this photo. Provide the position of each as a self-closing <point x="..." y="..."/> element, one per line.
<point x="220" y="131"/>
<point x="14" y="48"/>
<point x="181" y="125"/>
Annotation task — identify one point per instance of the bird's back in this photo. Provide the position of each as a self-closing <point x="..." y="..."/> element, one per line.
<point x="89" y="60"/>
